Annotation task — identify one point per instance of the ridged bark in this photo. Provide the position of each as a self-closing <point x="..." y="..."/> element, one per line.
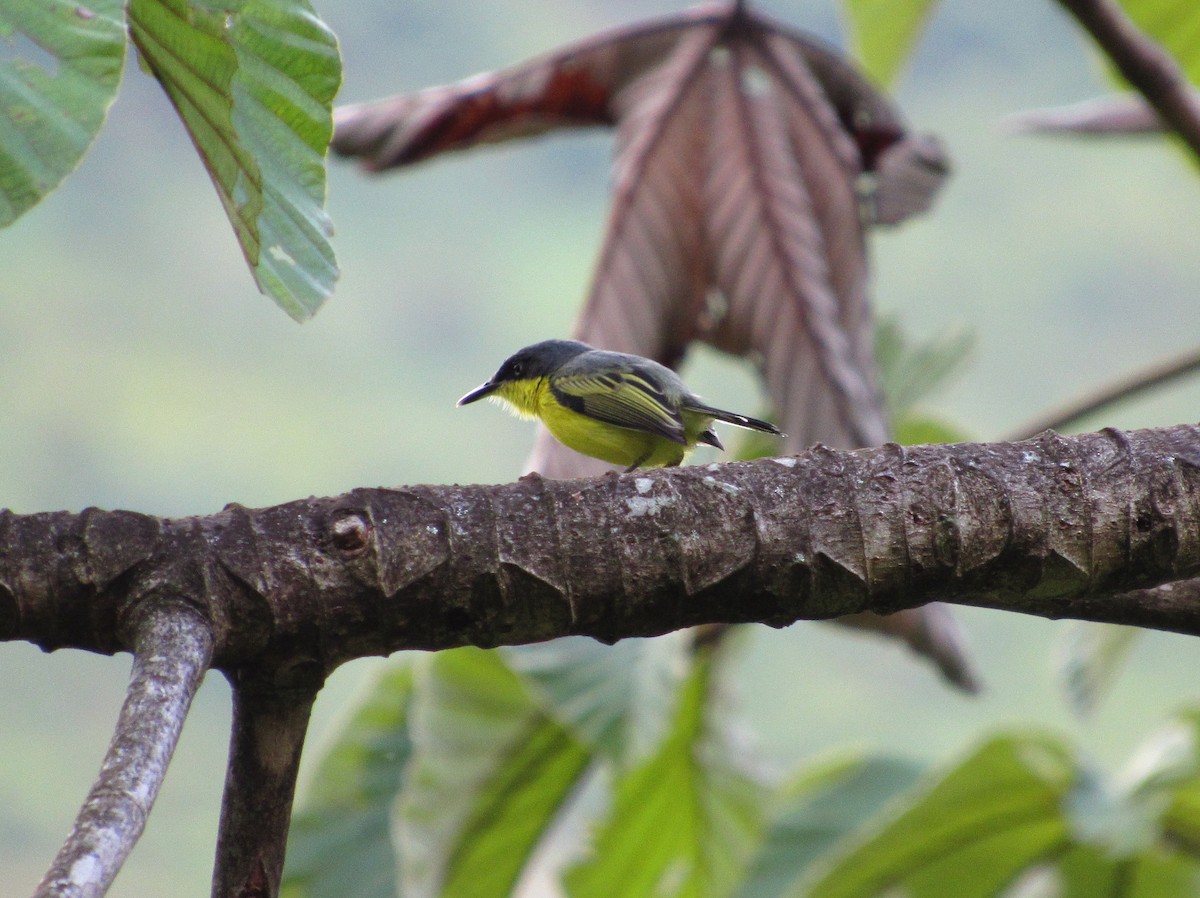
<point x="1053" y="526"/>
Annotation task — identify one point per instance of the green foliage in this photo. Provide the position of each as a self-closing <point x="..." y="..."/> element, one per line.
<point x="971" y="833"/>
<point x="684" y="822"/>
<point x="884" y="32"/>
<point x="340" y="841"/>
<point x="253" y="82"/>
<point x="53" y="104"/>
<point x="490" y="771"/>
<point x="910" y="372"/>
<point x="457" y="775"/>
<point x="913" y="370"/>
<point x="1023" y="810"/>
<point x="817" y="809"/>
<point x="619" y="699"/>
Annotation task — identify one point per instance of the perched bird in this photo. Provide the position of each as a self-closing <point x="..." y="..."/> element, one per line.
<point x="620" y="408"/>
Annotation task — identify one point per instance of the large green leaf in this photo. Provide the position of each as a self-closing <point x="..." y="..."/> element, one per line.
<point x="253" y="81"/>
<point x="340" y="842"/>
<point x="617" y="699"/>
<point x="1173" y="23"/>
<point x="816" y="811"/>
<point x="490" y="772"/>
<point x="60" y="65"/>
<point x="1021" y="817"/>
<point x="1088" y="872"/>
<point x="971" y="834"/>
<point x="884" y="32"/>
<point x="683" y="823"/>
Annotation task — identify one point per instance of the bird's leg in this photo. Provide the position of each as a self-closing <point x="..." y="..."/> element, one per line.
<point x="637" y="464"/>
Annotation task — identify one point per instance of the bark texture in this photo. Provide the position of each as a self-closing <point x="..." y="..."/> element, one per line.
<point x="269" y="724"/>
<point x="172" y="651"/>
<point x="1052" y="526"/>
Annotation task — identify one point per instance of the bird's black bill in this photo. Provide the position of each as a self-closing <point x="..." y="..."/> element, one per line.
<point x="479" y="393"/>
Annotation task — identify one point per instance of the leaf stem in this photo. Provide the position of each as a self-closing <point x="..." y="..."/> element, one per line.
<point x="1072" y="413"/>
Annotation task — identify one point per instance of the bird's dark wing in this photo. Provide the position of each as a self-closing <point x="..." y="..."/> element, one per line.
<point x="623" y="398"/>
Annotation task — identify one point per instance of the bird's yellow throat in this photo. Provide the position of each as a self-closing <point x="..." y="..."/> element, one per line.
<point x="523" y="397"/>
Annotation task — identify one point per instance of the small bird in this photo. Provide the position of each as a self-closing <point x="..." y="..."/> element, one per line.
<point x="620" y="408"/>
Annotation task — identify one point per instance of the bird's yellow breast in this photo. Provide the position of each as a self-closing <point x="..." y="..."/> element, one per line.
<point x="616" y="445"/>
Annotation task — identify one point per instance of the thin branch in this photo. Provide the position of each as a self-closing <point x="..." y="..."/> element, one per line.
<point x="172" y="651"/>
<point x="1115" y="114"/>
<point x="1146" y="65"/>
<point x="1072" y="413"/>
<point x="269" y="724"/>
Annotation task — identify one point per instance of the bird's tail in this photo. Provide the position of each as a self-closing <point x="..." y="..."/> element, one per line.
<point x="740" y="420"/>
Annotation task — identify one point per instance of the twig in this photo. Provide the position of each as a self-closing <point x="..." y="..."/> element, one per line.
<point x="1119" y="114"/>
<point x="1067" y="415"/>
<point x="172" y="651"/>
<point x="269" y="724"/>
<point x="1146" y="65"/>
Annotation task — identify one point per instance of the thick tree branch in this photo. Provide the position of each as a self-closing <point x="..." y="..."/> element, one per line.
<point x="1052" y="526"/>
<point x="172" y="649"/>
<point x="1145" y="65"/>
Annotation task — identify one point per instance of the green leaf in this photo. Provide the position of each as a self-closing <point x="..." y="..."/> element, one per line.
<point x="340" y="842"/>
<point x="1087" y="872"/>
<point x="253" y="81"/>
<point x="1173" y="23"/>
<point x="1089" y="657"/>
<point x="683" y="823"/>
<point x="911" y="370"/>
<point x="490" y="772"/>
<point x="616" y="699"/>
<point x="884" y="32"/>
<point x="974" y="831"/>
<point x="60" y="65"/>
<point x="816" y="811"/>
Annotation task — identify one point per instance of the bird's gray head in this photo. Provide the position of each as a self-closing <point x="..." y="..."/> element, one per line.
<point x="539" y="360"/>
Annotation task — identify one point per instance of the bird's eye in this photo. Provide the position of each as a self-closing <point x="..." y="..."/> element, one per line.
<point x="517" y="369"/>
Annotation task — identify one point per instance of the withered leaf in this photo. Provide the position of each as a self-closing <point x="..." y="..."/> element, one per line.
<point x="738" y="204"/>
<point x="749" y="159"/>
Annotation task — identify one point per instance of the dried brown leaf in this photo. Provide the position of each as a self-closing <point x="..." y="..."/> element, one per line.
<point x="738" y="205"/>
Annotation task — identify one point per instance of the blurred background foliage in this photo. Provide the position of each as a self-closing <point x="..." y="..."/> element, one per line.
<point x="141" y="369"/>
